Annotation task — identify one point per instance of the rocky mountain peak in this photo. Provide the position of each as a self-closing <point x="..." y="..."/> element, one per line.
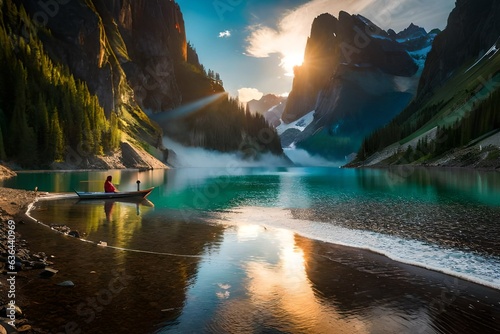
<point x="265" y="103"/>
<point x="349" y="41"/>
<point x="411" y="32"/>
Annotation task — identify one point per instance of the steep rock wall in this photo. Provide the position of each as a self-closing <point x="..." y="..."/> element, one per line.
<point x="473" y="27"/>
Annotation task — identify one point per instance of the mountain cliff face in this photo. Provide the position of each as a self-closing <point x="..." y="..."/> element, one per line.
<point x="125" y="50"/>
<point x="155" y="39"/>
<point x="473" y="27"/>
<point x="454" y="119"/>
<point x="271" y="106"/>
<point x="355" y="77"/>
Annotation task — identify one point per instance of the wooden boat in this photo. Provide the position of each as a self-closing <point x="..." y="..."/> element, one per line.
<point x="122" y="194"/>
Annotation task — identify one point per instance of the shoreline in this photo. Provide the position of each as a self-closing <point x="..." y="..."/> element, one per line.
<point x="14" y="203"/>
<point x="421" y="166"/>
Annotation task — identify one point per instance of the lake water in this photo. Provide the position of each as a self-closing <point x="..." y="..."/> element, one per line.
<point x="233" y="248"/>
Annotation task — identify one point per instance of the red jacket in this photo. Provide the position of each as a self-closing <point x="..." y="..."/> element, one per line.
<point x="109" y="187"/>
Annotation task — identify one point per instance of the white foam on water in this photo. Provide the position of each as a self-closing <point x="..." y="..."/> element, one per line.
<point x="466" y="265"/>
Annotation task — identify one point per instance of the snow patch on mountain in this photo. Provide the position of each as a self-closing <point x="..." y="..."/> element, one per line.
<point x="491" y="52"/>
<point x="299" y="124"/>
<point x="419" y="56"/>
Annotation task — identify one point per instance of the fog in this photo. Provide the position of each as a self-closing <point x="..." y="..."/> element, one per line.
<point x="303" y="158"/>
<point x="199" y="157"/>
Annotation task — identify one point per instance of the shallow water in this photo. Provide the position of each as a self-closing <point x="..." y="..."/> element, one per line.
<point x="222" y="250"/>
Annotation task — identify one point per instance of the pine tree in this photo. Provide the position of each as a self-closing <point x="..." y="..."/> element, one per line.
<point x="56" y="138"/>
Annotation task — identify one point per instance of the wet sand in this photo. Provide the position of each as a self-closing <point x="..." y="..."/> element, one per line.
<point x="338" y="289"/>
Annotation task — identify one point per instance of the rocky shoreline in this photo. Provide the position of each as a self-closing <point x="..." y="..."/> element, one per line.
<point x="26" y="265"/>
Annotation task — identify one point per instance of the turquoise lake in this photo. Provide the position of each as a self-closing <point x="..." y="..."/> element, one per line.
<point x="228" y="239"/>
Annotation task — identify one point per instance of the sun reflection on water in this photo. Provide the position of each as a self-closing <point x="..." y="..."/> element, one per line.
<point x="274" y="291"/>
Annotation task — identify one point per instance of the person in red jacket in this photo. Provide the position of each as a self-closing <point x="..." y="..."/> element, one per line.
<point x="108" y="186"/>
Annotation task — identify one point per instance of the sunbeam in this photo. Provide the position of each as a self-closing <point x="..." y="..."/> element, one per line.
<point x="186" y="109"/>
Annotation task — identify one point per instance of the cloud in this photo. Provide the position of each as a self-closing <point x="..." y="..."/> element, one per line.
<point x="225" y="34"/>
<point x="288" y="39"/>
<point x="248" y="94"/>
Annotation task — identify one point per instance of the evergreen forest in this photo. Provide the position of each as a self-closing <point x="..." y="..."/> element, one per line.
<point x="483" y="119"/>
<point x="44" y="110"/>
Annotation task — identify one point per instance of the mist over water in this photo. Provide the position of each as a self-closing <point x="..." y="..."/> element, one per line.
<point x="199" y="157"/>
<point x="303" y="158"/>
<point x="189" y="157"/>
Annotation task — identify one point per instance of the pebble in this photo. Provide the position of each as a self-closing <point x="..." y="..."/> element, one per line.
<point x="4" y="310"/>
<point x="24" y="328"/>
<point x="66" y="283"/>
<point x="48" y="272"/>
<point x="25" y="259"/>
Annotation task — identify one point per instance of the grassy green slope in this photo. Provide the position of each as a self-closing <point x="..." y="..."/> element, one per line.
<point x="461" y="93"/>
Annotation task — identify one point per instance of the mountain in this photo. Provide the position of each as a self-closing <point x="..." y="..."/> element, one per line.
<point x="265" y="103"/>
<point x="273" y="115"/>
<point x="269" y="105"/>
<point x="90" y="75"/>
<point x="453" y="120"/>
<point x="472" y="29"/>
<point x="355" y="78"/>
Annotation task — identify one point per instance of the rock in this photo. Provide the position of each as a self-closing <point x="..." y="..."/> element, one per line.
<point x="5" y="328"/>
<point x="60" y="228"/>
<point x="5" y="310"/>
<point x="74" y="234"/>
<point x="23" y="254"/>
<point x="48" y="272"/>
<point x="66" y="284"/>
<point x="19" y="266"/>
<point x="6" y="173"/>
<point x="37" y="265"/>
<point x="24" y="328"/>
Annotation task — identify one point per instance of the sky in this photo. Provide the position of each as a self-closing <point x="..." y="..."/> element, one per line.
<point x="254" y="44"/>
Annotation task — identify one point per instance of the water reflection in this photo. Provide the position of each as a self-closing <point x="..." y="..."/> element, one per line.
<point x="390" y="297"/>
<point x="271" y="280"/>
<point x="433" y="184"/>
<point x="97" y="220"/>
<point x="257" y="282"/>
<point x="110" y="203"/>
<point x="84" y="180"/>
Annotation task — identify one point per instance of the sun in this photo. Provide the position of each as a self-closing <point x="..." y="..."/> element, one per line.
<point x="290" y="60"/>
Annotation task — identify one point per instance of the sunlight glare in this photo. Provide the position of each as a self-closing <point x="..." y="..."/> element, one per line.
<point x="290" y="60"/>
<point x="248" y="232"/>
